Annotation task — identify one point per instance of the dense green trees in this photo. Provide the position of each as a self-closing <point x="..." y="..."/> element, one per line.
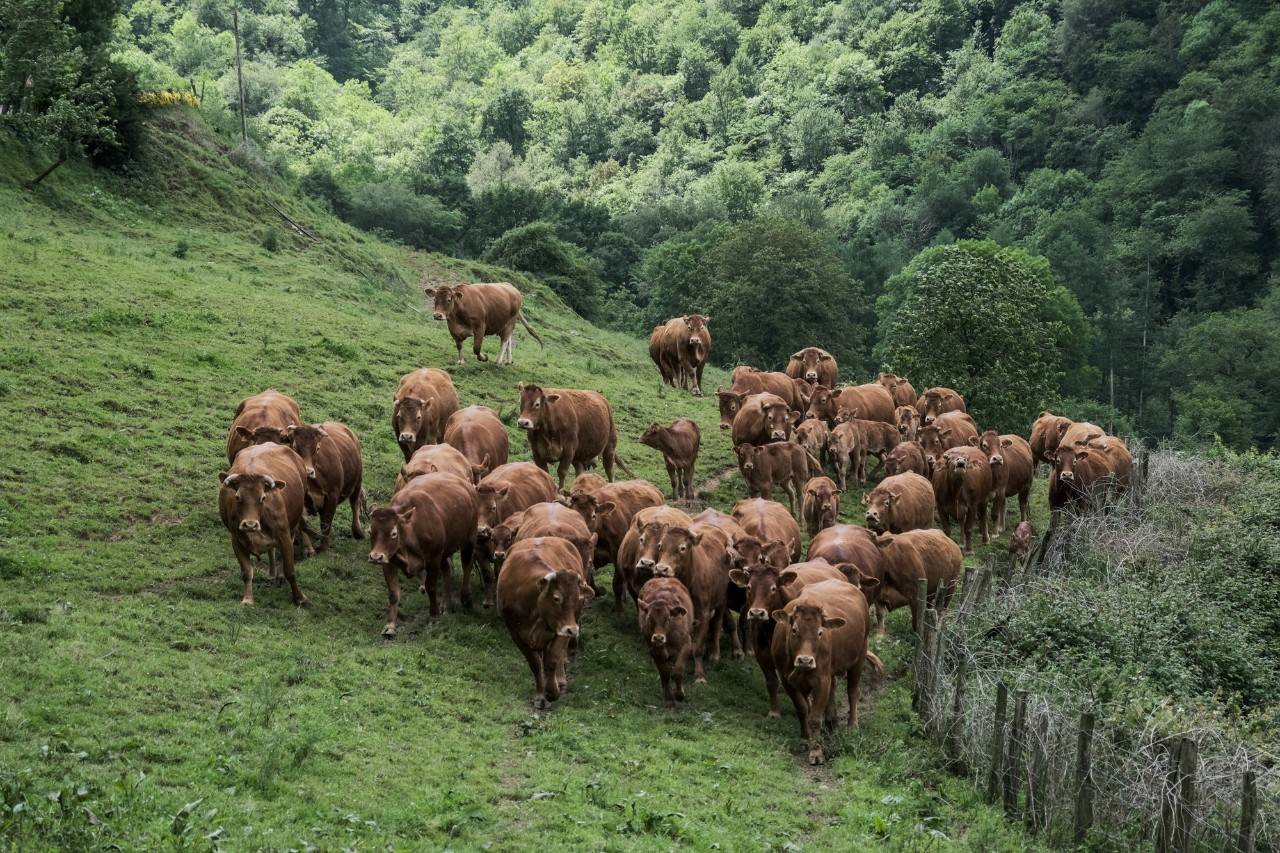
<point x="1130" y="144"/>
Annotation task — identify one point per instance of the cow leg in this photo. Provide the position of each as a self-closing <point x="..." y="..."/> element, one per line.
<point x="713" y="638"/>
<point x="246" y="570"/>
<point x="697" y="387"/>
<point x="357" y="508"/>
<point x="852" y="679"/>
<point x="459" y="341"/>
<point x="700" y="629"/>
<point x="286" y="557"/>
<point x="619" y="584"/>
<point x="765" y="660"/>
<point x="430" y="582"/>
<point x="881" y="612"/>
<point x="674" y="474"/>
<point x="327" y="512"/>
<point x="610" y="458"/>
<point x="677" y="672"/>
<point x="468" y="562"/>
<point x="801" y="703"/>
<point x="664" y="674"/>
<point x="790" y="488"/>
<point x="686" y="474"/>
<point x="534" y="659"/>
<point x="1024" y="501"/>
<point x="813" y="722"/>
<point x="983" y="522"/>
<point x="391" y="575"/>
<point x="560" y="655"/>
<point x="966" y="529"/>
<point x="446" y="572"/>
<point x="477" y="343"/>
<point x="731" y="620"/>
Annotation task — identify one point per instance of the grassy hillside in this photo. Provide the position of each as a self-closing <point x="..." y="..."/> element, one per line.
<point x="142" y="706"/>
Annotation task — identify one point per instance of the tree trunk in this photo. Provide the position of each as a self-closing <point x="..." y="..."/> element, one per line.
<point x="47" y="172"/>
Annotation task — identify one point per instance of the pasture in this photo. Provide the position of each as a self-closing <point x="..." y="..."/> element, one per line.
<point x="142" y="706"/>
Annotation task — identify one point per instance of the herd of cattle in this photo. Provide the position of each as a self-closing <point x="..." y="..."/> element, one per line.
<point x="692" y="577"/>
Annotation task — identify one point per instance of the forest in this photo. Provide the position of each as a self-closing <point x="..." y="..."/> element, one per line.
<point x="791" y="167"/>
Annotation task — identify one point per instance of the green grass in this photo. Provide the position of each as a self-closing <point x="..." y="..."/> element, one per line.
<point x="142" y="706"/>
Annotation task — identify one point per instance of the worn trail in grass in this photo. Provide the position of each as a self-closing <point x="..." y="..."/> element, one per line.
<point x="160" y="713"/>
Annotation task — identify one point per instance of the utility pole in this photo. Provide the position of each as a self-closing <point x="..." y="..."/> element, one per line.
<point x="235" y="23"/>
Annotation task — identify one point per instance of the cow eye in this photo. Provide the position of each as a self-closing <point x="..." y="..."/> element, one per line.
<point x="642" y="539"/>
<point x="239" y="499"/>
<point x="773" y="588"/>
<point x="557" y="598"/>
<point x="395" y="533"/>
<point x="684" y="548"/>
<point x="537" y="404"/>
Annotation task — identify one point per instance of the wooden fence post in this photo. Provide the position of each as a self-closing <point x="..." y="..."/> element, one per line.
<point x="918" y="639"/>
<point x="997" y="743"/>
<point x="937" y="643"/>
<point x="1038" y="778"/>
<point x="1246" y="842"/>
<point x="1185" y="812"/>
<point x="955" y="723"/>
<point x="1082" y="819"/>
<point x="965" y="590"/>
<point x="1013" y="756"/>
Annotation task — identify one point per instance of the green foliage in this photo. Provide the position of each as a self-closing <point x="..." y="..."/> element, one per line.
<point x="397" y="211"/>
<point x="566" y="269"/>
<point x="984" y="319"/>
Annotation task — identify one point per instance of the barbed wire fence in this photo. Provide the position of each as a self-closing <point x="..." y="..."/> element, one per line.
<point x="1054" y="762"/>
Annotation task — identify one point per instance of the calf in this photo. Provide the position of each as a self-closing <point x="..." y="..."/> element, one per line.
<point x="907" y="456"/>
<point x="767" y="591"/>
<point x="780" y="462"/>
<point x="430" y="458"/>
<point x="813" y="365"/>
<point x="261" y="418"/>
<point x="678" y="444"/>
<point x="478" y="434"/>
<point x="852" y="548"/>
<point x="908" y="557"/>
<point x="760" y="418"/>
<point x="768" y="520"/>
<point x="948" y="430"/>
<point x="963" y="487"/>
<point x="902" y="391"/>
<point x="608" y="512"/>
<point x="666" y="623"/>
<point x="1046" y="433"/>
<point x="901" y="502"/>
<point x="698" y="556"/>
<point x="1083" y="475"/>
<point x="476" y="310"/>
<point x="822" y="635"/>
<point x="261" y="502"/>
<point x="330" y="453"/>
<point x="505" y="490"/>
<point x="423" y="403"/>
<point x="877" y="439"/>
<point x="569" y="428"/>
<point x="638" y="552"/>
<point x="417" y="534"/>
<point x="1011" y="471"/>
<point x="821" y="506"/>
<point x="938" y="401"/>
<point x="1022" y="540"/>
<point x="541" y="594"/>
<point x="908" y="420"/>
<point x="813" y="435"/>
<point x="846" y="452"/>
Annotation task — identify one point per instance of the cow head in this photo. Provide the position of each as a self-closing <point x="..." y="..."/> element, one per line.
<point x="779" y="419"/>
<point x="760" y="576"/>
<point x="804" y="391"/>
<point x="697" y="326"/>
<point x="251" y="493"/>
<point x="305" y="440"/>
<point x="824" y="497"/>
<point x="822" y="403"/>
<point x="880" y="503"/>
<point x="410" y="417"/>
<point x="936" y="403"/>
<point x="675" y="551"/>
<point x="444" y="300"/>
<point x="589" y="508"/>
<point x="990" y="444"/>
<point x="730" y="403"/>
<point x="559" y="594"/>
<point x="811" y="434"/>
<point x="746" y="456"/>
<point x="933" y="441"/>
<point x="661" y="619"/>
<point x="653" y="436"/>
<point x="265" y="434"/>
<point x="908" y="421"/>
<point x="810" y="358"/>
<point x="387" y="532"/>
<point x="844" y="415"/>
<point x="650" y="541"/>
<point x="492" y="499"/>
<point x="1066" y="461"/>
<point x="479" y="472"/>
<point x="805" y="627"/>
<point x="868" y="584"/>
<point x="534" y="403"/>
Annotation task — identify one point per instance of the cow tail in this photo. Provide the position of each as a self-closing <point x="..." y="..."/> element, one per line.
<point x="813" y="460"/>
<point x="875" y="662"/>
<point x="618" y="460"/>
<point x="525" y="323"/>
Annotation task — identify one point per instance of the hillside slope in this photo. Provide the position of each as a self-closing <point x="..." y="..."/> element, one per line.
<point x="141" y="706"/>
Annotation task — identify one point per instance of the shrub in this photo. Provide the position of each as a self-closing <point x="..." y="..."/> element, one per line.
<point x="418" y="220"/>
<point x="566" y="269"/>
<point x="271" y="239"/>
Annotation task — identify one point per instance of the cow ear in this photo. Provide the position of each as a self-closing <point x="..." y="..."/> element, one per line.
<point x="780" y="616"/>
<point x="1082" y="454"/>
<point x="551" y="398"/>
<point x="1006" y="442"/>
<point x="679" y="610"/>
<point x="642" y="606"/>
<point x="974" y="440"/>
<point x="319" y="430"/>
<point x="546" y="579"/>
<point x="276" y="485"/>
<point x="1063" y="427"/>
<point x="605" y="508"/>
<point x="796" y="417"/>
<point x="696" y="538"/>
<point x="504" y="491"/>
<point x="865" y="499"/>
<point x="788" y="577"/>
<point x="585" y="590"/>
<point x="563" y="498"/>
<point x="867" y="583"/>
<point x="946" y="431"/>
<point x="833" y="622"/>
<point x="884" y="541"/>
<point x="406" y="514"/>
<point x="429" y="291"/>
<point x="740" y="577"/>
<point x="244" y="432"/>
<point x="824" y="357"/>
<point x="228" y="479"/>
<point x="520" y="387"/>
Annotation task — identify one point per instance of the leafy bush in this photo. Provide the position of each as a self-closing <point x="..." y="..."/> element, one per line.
<point x="271" y="239"/>
<point x="418" y="220"/>
<point x="566" y="269"/>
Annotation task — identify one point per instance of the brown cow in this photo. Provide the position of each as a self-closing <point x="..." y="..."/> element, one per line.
<point x="938" y="401"/>
<point x="948" y="430"/>
<point x="541" y="595"/>
<point x="423" y="403"/>
<point x="902" y="391"/>
<point x="766" y="592"/>
<point x="1082" y="474"/>
<point x="1011" y="473"/>
<point x="608" y="511"/>
<point x="908" y="420"/>
<point x="846" y="452"/>
<point x="698" y="556"/>
<point x="851" y="545"/>
<point x="476" y="310"/>
<point x="1022" y="540"/>
<point x="962" y="485"/>
<point x="506" y="489"/>
<point x="261" y="502"/>
<point x="907" y="456"/>
<point x="821" y="506"/>
<point x="418" y="532"/>
<point x="768" y="520"/>
<point x="813" y="365"/>
<point x="430" y="458"/>
<point x="870" y="401"/>
<point x="781" y="463"/>
<point x="821" y="635"/>
<point x="553" y="518"/>
<point x="586" y="483"/>
<point x="1117" y="453"/>
<point x="639" y="549"/>
<point x="908" y="557"/>
<point x="755" y="418"/>
<point x="678" y="444"/>
<point x="330" y="453"/>
<point x="664" y="357"/>
<point x="570" y="428"/>
<point x="1079" y="433"/>
<point x="1046" y="432"/>
<point x="480" y="436"/>
<point x="666" y="623"/>
<point x="751" y="380"/>
<point x="878" y="438"/>
<point x="695" y="347"/>
<point x="899" y="503"/>
<point x="813" y="434"/>
<point x="259" y="419"/>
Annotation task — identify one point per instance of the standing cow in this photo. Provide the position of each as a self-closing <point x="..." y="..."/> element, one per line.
<point x="903" y="392"/>
<point x="1011" y="472"/>
<point x="679" y="348"/>
<point x="476" y="310"/>
<point x="261" y="418"/>
<point x="569" y="428"/>
<point x="330" y="453"/>
<point x="814" y="365"/>
<point x="678" y="444"/>
<point x="422" y="405"/>
<point x="479" y="435"/>
<point x="939" y="401"/>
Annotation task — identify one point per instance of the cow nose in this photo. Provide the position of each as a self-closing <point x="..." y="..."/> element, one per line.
<point x="439" y="315"/>
<point x="499" y="555"/>
<point x="872" y="518"/>
<point x="524" y="423"/>
<point x="811" y="375"/>
<point x="482" y="531"/>
<point x="377" y="557"/>
<point x="569" y="631"/>
<point x="757" y="614"/>
<point x="1066" y="475"/>
<point x="405" y="438"/>
<point x="644" y="563"/>
<point x="805" y="662"/>
<point x="311" y="473"/>
<point x="996" y="460"/>
<point x="724" y="426"/>
<point x="928" y="419"/>
<point x="250" y="525"/>
<point x="658" y="639"/>
<point x="662" y="570"/>
<point x="777" y="434"/>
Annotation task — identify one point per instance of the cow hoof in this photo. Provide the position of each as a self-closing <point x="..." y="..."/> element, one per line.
<point x="738" y="654"/>
<point x="816" y="756"/>
<point x="487" y="604"/>
<point x="701" y="679"/>
<point x="540" y="703"/>
<point x="302" y="602"/>
<point x="389" y="632"/>
<point x="247" y="601"/>
<point x="773" y="715"/>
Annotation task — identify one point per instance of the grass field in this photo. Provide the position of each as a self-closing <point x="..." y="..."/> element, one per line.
<point x="142" y="707"/>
